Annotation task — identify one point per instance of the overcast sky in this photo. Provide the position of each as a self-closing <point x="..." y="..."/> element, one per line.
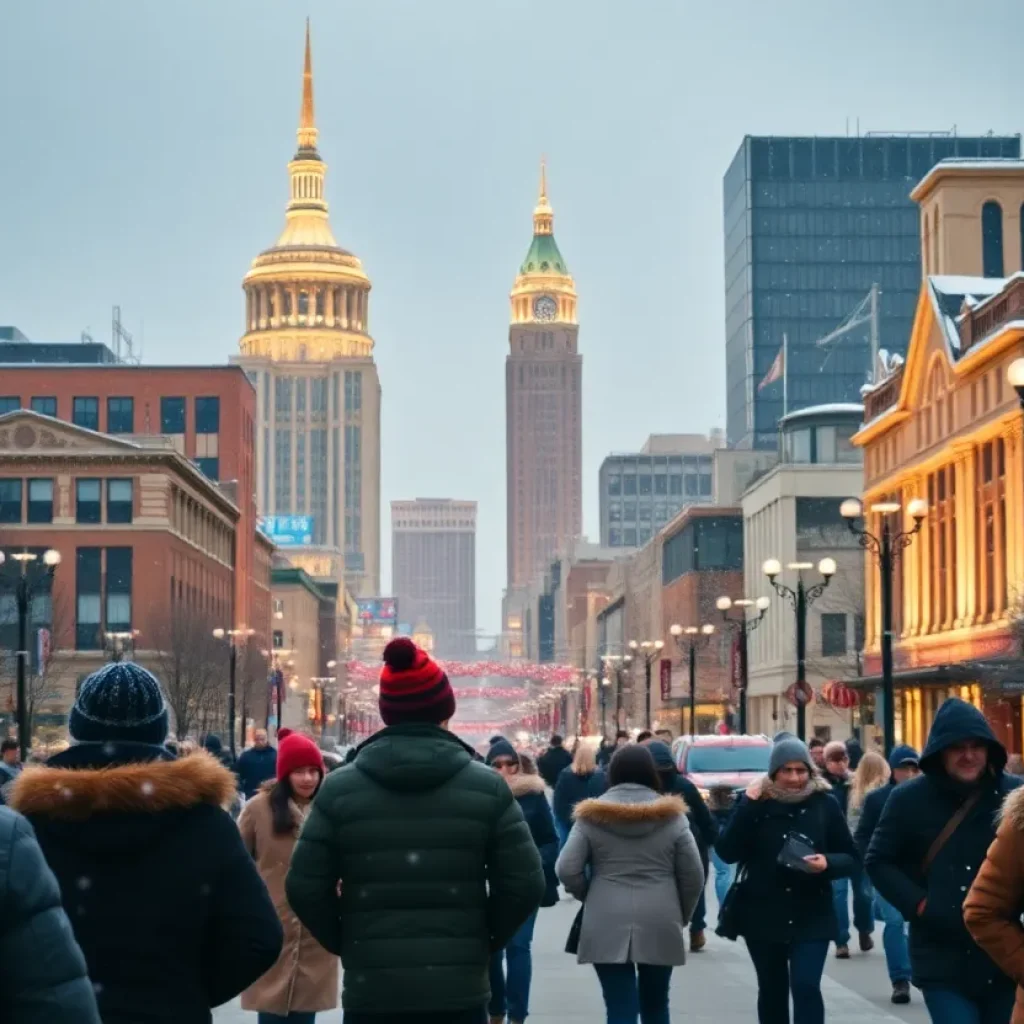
<point x="143" y="157"/>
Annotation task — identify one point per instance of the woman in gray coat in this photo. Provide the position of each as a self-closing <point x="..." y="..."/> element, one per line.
<point x="645" y="878"/>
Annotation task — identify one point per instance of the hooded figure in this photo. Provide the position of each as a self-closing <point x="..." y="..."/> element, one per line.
<point x="437" y="866"/>
<point x="162" y="895"/>
<point x="962" y="780"/>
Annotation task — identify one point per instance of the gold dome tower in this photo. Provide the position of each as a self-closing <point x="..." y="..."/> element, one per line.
<point x="308" y="351"/>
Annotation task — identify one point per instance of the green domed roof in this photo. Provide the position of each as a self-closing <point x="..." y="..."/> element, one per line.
<point x="543" y="257"/>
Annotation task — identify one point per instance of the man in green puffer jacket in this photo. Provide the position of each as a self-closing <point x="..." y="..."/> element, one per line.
<point x="415" y="863"/>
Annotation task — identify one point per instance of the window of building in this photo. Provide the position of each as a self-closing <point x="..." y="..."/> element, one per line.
<point x="675" y="484"/>
<point x="9" y="403"/>
<point x="644" y="482"/>
<point x="85" y="412"/>
<point x="707" y="543"/>
<point x="278" y="639"/>
<point x="208" y="415"/>
<point x="615" y="485"/>
<point x="318" y="397"/>
<point x="615" y="537"/>
<point x="644" y="536"/>
<point x="10" y="501"/>
<point x="119" y="501"/>
<point x="629" y="511"/>
<point x="353" y="391"/>
<point x="660" y="483"/>
<point x="691" y="485"/>
<point x="40" y="501"/>
<point x="88" y="582"/>
<point x="209" y="467"/>
<point x="45" y="405"/>
<point x="614" y="512"/>
<point x="172" y="415"/>
<point x="629" y="484"/>
<point x="119" y="590"/>
<point x="992" y="239"/>
<point x="705" y="485"/>
<point x="87" y="501"/>
<point x="833" y="634"/>
<point x="301" y="390"/>
<point x="629" y="537"/>
<point x="120" y="415"/>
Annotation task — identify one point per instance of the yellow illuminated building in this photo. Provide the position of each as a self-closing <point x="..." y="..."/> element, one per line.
<point x="308" y="350"/>
<point x="946" y="426"/>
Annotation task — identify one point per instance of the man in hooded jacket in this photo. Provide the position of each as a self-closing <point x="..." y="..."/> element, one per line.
<point x="929" y="843"/>
<point x="415" y="863"/>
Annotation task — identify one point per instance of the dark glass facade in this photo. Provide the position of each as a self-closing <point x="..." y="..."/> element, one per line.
<point x="810" y="225"/>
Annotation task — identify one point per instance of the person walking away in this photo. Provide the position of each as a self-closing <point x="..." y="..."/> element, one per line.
<point x="992" y="908"/>
<point x="436" y="865"/>
<point x="304" y="981"/>
<point x="785" y="911"/>
<point x="553" y="761"/>
<point x="854" y="751"/>
<point x="42" y="971"/>
<point x="510" y="995"/>
<point x="925" y="852"/>
<point x="903" y="765"/>
<point x="634" y="863"/>
<point x="575" y="783"/>
<point x="605" y="757"/>
<point x="256" y="765"/>
<point x="164" y="899"/>
<point x="702" y="825"/>
<point x="10" y="766"/>
<point x="838" y="775"/>
<point x="721" y="802"/>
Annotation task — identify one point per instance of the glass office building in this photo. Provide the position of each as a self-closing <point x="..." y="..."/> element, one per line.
<point x="810" y="225"/>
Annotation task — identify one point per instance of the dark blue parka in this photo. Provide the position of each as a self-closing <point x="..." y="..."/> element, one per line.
<point x="571" y="788"/>
<point x="942" y="953"/>
<point x="871" y="809"/>
<point x="254" y="767"/>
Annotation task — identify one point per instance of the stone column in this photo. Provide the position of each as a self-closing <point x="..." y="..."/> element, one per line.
<point x="329" y="307"/>
<point x="1014" y="485"/>
<point x="966" y="535"/>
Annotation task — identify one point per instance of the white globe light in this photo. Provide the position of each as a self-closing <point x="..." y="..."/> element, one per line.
<point x="1015" y="373"/>
<point x="827" y="567"/>
<point x="723" y="604"/>
<point x="763" y="604"/>
<point x="772" y="567"/>
<point x="918" y="508"/>
<point x="851" y="509"/>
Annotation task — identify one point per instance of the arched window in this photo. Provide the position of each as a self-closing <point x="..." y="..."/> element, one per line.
<point x="303" y="303"/>
<point x="992" y="239"/>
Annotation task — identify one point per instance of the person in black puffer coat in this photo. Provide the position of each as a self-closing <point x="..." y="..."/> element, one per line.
<point x="702" y="825"/>
<point x="787" y="916"/>
<point x="164" y="899"/>
<point x="961" y="771"/>
<point x="553" y="761"/>
<point x="580" y="781"/>
<point x="510" y="995"/>
<point x="42" y="971"/>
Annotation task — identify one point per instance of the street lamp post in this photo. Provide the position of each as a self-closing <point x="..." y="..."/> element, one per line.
<point x="23" y="595"/>
<point x="650" y="651"/>
<point x="232" y="636"/>
<point x="743" y="626"/>
<point x="886" y="547"/>
<point x="801" y="599"/>
<point x="689" y="638"/>
<point x="619" y="663"/>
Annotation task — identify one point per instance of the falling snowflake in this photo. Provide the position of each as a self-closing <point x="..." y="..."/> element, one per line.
<point x="204" y="889"/>
<point x="109" y="749"/>
<point x="147" y="788"/>
<point x="97" y="988"/>
<point x="413" y="857"/>
<point x="66" y="793"/>
<point x="85" y="882"/>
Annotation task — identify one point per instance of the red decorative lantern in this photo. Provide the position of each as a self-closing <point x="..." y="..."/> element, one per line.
<point x="839" y="695"/>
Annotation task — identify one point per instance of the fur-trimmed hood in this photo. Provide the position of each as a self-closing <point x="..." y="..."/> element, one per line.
<point x="631" y="809"/>
<point x="147" y="788"/>
<point x="521" y="784"/>
<point x="1013" y="809"/>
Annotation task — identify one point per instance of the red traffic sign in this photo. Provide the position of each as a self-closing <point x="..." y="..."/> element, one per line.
<point x="799" y="693"/>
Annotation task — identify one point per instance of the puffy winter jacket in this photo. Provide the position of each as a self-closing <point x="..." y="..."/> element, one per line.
<point x="42" y="970"/>
<point x="552" y="762"/>
<point x="570" y="789"/>
<point x="437" y="869"/>
<point x="533" y="802"/>
<point x="942" y="953"/>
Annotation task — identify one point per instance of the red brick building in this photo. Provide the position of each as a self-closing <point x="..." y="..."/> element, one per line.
<point x="143" y="535"/>
<point x="208" y="412"/>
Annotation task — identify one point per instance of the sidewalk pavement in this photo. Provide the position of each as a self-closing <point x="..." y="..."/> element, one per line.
<point x="716" y="986"/>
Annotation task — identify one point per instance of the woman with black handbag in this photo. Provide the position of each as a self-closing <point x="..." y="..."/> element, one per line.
<point x="645" y="877"/>
<point x="789" y="835"/>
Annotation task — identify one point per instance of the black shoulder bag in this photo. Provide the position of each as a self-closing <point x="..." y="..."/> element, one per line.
<point x="729" y="911"/>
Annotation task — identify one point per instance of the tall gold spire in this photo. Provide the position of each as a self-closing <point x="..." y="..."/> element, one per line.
<point x="543" y="215"/>
<point x="307" y="121"/>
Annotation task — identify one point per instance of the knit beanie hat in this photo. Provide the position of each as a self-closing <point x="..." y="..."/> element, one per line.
<point x="120" y="701"/>
<point x="783" y="735"/>
<point x="501" y="748"/>
<point x="413" y="687"/>
<point x="296" y="751"/>
<point x="786" y="750"/>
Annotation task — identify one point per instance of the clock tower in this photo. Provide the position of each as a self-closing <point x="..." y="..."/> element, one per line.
<point x="543" y="406"/>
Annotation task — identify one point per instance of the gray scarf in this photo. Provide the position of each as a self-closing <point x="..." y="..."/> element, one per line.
<point x="770" y="791"/>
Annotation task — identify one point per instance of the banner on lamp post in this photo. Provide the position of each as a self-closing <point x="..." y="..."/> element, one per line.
<point x="665" y="678"/>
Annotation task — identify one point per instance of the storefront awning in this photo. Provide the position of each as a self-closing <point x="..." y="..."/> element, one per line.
<point x="1005" y="674"/>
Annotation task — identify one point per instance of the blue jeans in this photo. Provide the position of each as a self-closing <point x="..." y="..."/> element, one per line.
<point x="292" y="1018"/>
<point x="785" y="968"/>
<point x="724" y="874"/>
<point x="562" y="830"/>
<point x="863" y="912"/>
<point x="510" y="992"/>
<point x="635" y="990"/>
<point x="894" y="939"/>
<point x="945" y="1006"/>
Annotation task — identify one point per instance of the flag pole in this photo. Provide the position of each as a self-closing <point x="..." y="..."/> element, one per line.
<point x="785" y="373"/>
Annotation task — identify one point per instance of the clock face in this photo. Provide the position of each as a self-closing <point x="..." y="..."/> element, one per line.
<point x="544" y="308"/>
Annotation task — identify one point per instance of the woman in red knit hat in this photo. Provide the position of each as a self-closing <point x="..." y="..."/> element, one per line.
<point x="304" y="980"/>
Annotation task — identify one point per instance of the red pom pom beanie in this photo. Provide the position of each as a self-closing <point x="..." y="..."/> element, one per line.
<point x="297" y="751"/>
<point x="413" y="687"/>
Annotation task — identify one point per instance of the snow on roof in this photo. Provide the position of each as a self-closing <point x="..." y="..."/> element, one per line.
<point x="829" y="408"/>
<point x="962" y="284"/>
<point x="960" y="163"/>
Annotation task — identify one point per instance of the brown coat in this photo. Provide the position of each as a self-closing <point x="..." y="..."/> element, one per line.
<point x="993" y="906"/>
<point x="305" y="977"/>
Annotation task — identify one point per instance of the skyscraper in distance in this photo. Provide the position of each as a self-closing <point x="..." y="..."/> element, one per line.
<point x="433" y="569"/>
<point x="543" y="405"/>
<point x="308" y="350"/>
<point x="811" y="224"/>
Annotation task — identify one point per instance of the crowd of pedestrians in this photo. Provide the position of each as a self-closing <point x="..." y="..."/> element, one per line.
<point x="130" y="896"/>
